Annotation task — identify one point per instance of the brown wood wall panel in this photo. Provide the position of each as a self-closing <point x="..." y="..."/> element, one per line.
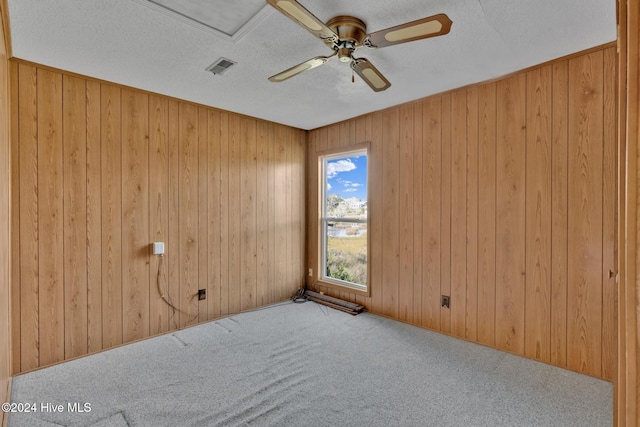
<point x="189" y="238"/>
<point x="538" y="216"/>
<point x="374" y="134"/>
<point x="584" y="299"/>
<point x="203" y="206"/>
<point x="431" y="214"/>
<point x="111" y="188"/>
<point x="417" y="210"/>
<point x="74" y="119"/>
<point x="498" y="184"/>
<point x="559" y="198"/>
<point x="405" y="275"/>
<point x="458" y="212"/>
<point x="487" y="220"/>
<point x="6" y="212"/>
<point x="609" y="220"/>
<point x="510" y="210"/>
<point x="390" y="211"/>
<point x="158" y="207"/>
<point x="50" y="218"/>
<point x="172" y="258"/>
<point x="27" y="251"/>
<point x="135" y="215"/>
<point x="471" y="306"/>
<point x="94" y="222"/>
<point x="213" y="213"/>
<point x="110" y="170"/>
<point x="15" y="225"/>
<point x="248" y="213"/>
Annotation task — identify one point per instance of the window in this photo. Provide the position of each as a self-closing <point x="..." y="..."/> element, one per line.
<point x="344" y="250"/>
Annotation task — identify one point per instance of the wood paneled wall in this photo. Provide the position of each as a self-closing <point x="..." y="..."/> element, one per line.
<point x="102" y="171"/>
<point x="5" y="213"/>
<point x="503" y="196"/>
<point x="627" y="391"/>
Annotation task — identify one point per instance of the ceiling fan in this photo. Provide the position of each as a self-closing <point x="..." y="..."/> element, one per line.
<point x="345" y="34"/>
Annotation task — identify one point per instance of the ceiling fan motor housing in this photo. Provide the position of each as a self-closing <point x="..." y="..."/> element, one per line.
<point x="351" y="32"/>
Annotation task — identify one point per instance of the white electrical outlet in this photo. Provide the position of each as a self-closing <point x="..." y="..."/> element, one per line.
<point x="311" y="272"/>
<point x="158" y="248"/>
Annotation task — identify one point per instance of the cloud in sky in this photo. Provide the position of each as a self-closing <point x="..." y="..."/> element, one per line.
<point x="343" y="165"/>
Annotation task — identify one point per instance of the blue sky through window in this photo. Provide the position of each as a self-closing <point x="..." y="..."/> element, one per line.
<point x="347" y="177"/>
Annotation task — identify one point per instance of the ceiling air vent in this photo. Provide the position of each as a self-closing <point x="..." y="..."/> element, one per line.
<point x="220" y="66"/>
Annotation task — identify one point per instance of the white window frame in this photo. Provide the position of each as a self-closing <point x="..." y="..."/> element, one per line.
<point x="360" y="150"/>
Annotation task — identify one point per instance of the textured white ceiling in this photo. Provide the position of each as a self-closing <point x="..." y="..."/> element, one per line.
<point x="128" y="43"/>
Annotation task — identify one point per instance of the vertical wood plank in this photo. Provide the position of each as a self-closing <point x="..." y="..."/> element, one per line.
<point x="273" y="231"/>
<point x="487" y="220"/>
<point x="313" y="217"/>
<point x="111" y="184"/>
<point x="584" y="308"/>
<point x="559" y="213"/>
<point x="172" y="257"/>
<point x="135" y="215"/>
<point x="471" y="306"/>
<point x="188" y="214"/>
<point x="214" y="213"/>
<point x="50" y="225"/>
<point x="280" y="211"/>
<point x="234" y="214"/>
<point x="458" y="212"/>
<point x="16" y="264"/>
<point x="405" y="216"/>
<point x="158" y="211"/>
<point x="510" y="235"/>
<point x="203" y="206"/>
<point x="262" y="213"/>
<point x="418" y="211"/>
<point x="374" y="134"/>
<point x="432" y="191"/>
<point x="359" y="135"/>
<point x="74" y="133"/>
<point x="224" y="214"/>
<point x="445" y="212"/>
<point x="248" y="213"/>
<point x="538" y="215"/>
<point x="6" y="207"/>
<point x="94" y="223"/>
<point x="29" y="224"/>
<point x="333" y="136"/>
<point x="322" y="145"/>
<point x="390" y="210"/>
<point x="284" y="290"/>
<point x="609" y="180"/>
<point x="299" y="207"/>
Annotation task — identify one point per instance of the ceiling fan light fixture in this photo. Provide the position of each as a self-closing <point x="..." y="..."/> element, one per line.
<point x="344" y="54"/>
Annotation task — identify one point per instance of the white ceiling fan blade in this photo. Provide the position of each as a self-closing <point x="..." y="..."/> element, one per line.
<point x="296" y="12"/>
<point x="370" y="74"/>
<point x="300" y="68"/>
<point x="431" y="26"/>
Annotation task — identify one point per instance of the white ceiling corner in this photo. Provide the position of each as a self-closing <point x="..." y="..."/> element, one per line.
<point x="130" y="43"/>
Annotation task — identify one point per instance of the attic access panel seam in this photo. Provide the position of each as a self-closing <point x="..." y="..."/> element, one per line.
<point x="231" y="22"/>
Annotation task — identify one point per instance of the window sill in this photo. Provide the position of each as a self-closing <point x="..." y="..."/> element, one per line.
<point x="344" y="288"/>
